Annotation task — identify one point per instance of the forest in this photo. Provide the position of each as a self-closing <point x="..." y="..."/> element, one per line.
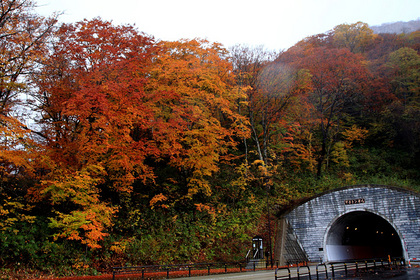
<point x="119" y="149"/>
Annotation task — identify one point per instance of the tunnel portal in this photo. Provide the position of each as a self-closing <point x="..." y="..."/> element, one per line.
<point x="362" y="235"/>
<point x="354" y="222"/>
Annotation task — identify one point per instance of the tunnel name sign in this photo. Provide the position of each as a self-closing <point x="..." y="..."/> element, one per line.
<point x="354" y="201"/>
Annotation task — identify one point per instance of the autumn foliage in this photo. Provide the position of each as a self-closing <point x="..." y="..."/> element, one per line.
<point x="119" y="149"/>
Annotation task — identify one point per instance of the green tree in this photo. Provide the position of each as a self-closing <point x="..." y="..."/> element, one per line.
<point x="405" y="64"/>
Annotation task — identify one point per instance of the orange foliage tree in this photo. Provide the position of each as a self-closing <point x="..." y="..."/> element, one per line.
<point x="197" y="120"/>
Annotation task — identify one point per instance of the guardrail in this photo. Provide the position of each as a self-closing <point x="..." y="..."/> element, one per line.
<point x="186" y="270"/>
<point x="365" y="264"/>
<point x="189" y="270"/>
<point x="334" y="267"/>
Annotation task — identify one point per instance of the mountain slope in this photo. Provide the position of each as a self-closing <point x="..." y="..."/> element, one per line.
<point x="397" y="27"/>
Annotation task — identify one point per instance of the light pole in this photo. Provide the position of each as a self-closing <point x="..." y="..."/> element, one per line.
<point x="269" y="223"/>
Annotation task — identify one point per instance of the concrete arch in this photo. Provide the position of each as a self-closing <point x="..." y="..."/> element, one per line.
<point x="309" y="223"/>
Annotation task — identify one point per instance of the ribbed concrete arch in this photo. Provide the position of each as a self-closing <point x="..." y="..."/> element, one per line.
<point x="354" y="222"/>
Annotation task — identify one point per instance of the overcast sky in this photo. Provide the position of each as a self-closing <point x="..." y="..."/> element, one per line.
<point x="275" y="24"/>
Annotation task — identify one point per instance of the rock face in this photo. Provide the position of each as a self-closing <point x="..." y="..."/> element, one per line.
<point x="397" y="27"/>
<point x="366" y="221"/>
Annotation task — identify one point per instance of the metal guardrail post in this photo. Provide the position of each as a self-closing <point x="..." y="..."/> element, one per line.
<point x="298" y="274"/>
<point x="288" y="271"/>
<point x="317" y="270"/>
<point x="309" y="271"/>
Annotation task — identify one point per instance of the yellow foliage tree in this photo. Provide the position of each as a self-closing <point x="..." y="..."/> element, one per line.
<point x="89" y="217"/>
<point x="356" y="37"/>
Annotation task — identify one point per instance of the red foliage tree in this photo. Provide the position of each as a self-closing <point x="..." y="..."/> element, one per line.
<point x="95" y="119"/>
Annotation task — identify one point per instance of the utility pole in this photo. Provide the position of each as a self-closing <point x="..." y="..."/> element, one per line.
<point x="269" y="223"/>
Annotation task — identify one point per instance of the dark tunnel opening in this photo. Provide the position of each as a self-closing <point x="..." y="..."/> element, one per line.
<point x="362" y="235"/>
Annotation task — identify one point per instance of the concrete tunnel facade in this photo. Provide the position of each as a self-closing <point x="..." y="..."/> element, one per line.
<point x="355" y="222"/>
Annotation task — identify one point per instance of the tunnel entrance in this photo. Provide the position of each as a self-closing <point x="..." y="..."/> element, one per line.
<point x="362" y="235"/>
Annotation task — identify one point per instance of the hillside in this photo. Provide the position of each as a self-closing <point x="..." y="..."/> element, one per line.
<point x="152" y="152"/>
<point x="397" y="27"/>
